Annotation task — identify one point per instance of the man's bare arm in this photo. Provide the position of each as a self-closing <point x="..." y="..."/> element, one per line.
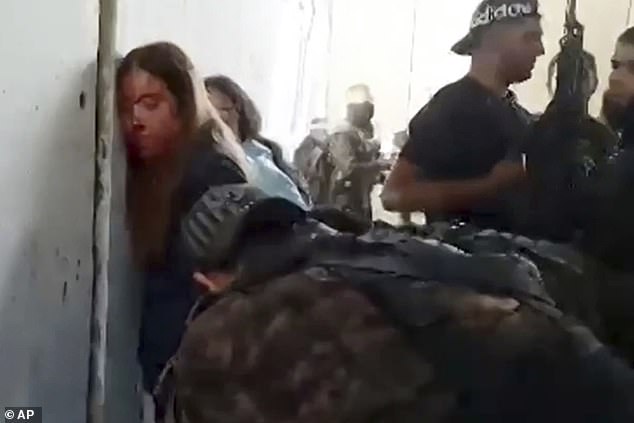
<point x="404" y="193"/>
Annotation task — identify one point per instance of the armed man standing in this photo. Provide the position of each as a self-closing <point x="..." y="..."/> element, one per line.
<point x="354" y="152"/>
<point x="307" y="159"/>
<point x="457" y="163"/>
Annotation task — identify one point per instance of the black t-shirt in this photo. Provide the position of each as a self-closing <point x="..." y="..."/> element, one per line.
<point x="462" y="133"/>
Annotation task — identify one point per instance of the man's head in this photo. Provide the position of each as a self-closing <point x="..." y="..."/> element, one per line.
<point x="360" y="105"/>
<point x="508" y="34"/>
<point x="156" y="99"/>
<point x="620" y="94"/>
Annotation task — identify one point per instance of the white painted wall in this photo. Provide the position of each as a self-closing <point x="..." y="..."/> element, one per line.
<point x="48" y="51"/>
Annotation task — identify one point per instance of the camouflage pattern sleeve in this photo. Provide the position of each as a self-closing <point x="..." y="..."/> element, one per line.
<point x="342" y="152"/>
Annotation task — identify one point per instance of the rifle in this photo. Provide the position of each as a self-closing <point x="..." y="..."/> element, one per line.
<point x="570" y="94"/>
<point x="551" y="156"/>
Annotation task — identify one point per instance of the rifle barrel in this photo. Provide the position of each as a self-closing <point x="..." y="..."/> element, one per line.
<point x="571" y="12"/>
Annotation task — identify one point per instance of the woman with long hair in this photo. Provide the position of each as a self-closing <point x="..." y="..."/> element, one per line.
<point x="265" y="158"/>
<point x="177" y="147"/>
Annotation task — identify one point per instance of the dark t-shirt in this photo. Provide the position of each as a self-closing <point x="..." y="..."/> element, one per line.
<point x="462" y="133"/>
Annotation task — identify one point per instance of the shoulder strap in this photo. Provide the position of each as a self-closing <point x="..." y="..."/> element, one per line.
<point x="397" y="255"/>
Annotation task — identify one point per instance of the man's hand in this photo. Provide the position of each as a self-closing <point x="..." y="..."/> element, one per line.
<point x="214" y="282"/>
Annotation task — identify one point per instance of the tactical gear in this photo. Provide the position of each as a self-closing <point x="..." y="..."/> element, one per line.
<point x="213" y="227"/>
<point x="407" y="277"/>
<point x="249" y="230"/>
<point x="308" y="159"/>
<point x="356" y="169"/>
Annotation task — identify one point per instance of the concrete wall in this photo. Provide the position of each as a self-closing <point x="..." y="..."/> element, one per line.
<point x="47" y="136"/>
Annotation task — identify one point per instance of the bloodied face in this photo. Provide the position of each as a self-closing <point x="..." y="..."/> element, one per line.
<point x="148" y="114"/>
<point x="620" y="94"/>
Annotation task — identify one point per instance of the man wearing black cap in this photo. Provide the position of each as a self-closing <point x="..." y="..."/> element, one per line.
<point x="457" y="162"/>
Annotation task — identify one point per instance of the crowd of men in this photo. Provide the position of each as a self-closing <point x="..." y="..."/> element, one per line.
<point x="488" y="313"/>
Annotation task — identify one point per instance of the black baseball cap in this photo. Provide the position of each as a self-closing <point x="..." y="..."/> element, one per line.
<point x="490" y="12"/>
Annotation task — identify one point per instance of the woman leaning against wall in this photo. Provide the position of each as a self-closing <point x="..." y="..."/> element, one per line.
<point x="177" y="146"/>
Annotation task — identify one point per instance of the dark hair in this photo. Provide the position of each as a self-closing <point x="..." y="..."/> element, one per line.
<point x="169" y="63"/>
<point x="149" y="190"/>
<point x="627" y="36"/>
<point x="250" y="121"/>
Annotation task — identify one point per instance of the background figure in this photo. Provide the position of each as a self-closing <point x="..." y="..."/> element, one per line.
<point x="398" y="142"/>
<point x="269" y="170"/>
<point x="177" y="147"/>
<point x="355" y="155"/>
<point x="308" y="158"/>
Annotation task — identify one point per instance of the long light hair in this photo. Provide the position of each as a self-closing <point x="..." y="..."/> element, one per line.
<point x="151" y="186"/>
